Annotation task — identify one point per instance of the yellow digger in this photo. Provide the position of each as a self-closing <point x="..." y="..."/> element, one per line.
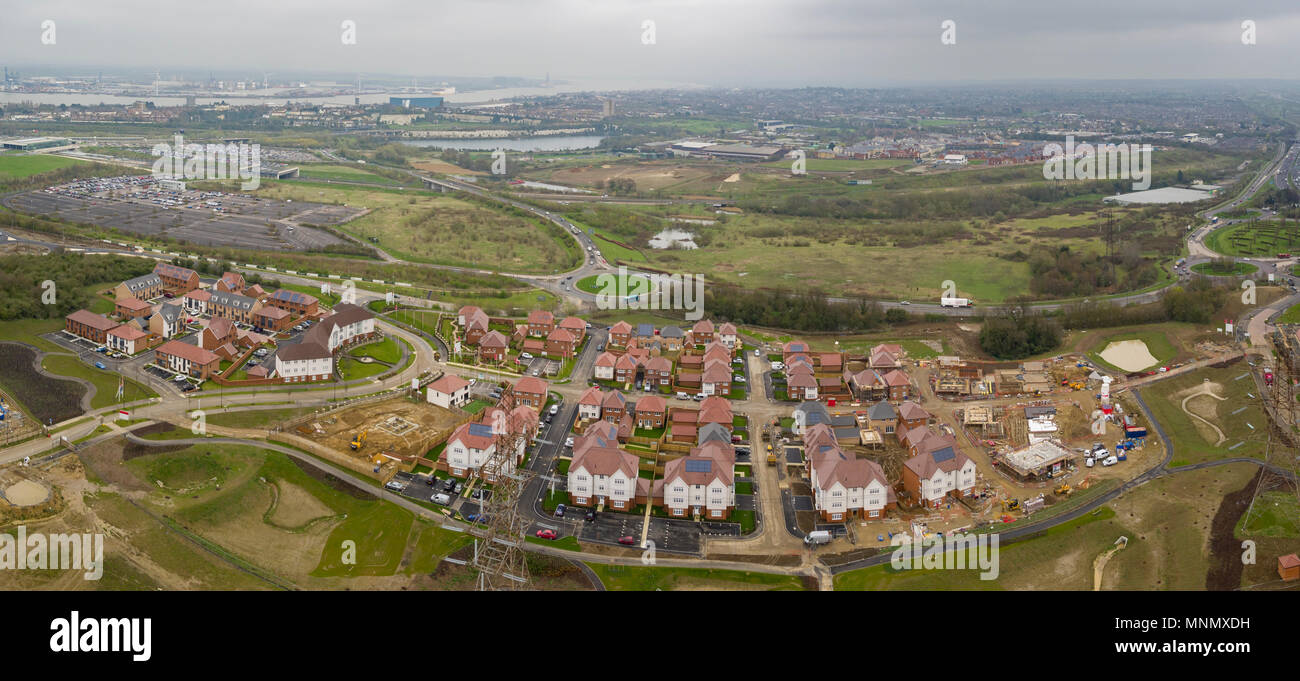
<point x="359" y="440"/>
<point x="1062" y="489"/>
<point x="1011" y="504"/>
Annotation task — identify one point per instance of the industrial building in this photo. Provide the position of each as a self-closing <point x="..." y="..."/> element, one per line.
<point x="416" y="102"/>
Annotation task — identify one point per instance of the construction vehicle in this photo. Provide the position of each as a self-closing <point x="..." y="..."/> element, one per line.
<point x="1062" y="489"/>
<point x="359" y="440"/>
<point x="1011" y="504"/>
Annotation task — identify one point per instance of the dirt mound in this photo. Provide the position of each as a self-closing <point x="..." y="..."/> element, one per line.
<point x="26" y="493"/>
<point x="334" y="482"/>
<point x="1225" y="550"/>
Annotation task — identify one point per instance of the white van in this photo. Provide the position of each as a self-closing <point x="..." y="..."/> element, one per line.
<point x="440" y="498"/>
<point x="683" y="396"/>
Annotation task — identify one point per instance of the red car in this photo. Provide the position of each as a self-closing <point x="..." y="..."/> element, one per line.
<point x="627" y="541"/>
<point x="547" y="534"/>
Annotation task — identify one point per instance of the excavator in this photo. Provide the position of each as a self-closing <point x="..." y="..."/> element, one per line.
<point x="359" y="440"/>
<point x="1062" y="489"/>
<point x="1011" y="504"/>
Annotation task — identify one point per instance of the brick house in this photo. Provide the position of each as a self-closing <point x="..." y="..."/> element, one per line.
<point x="230" y="282"/>
<point x="613" y="405"/>
<point x="651" y="411"/>
<point x="299" y="304"/>
<point x="191" y="360"/>
<point x="492" y="347"/>
<point x="196" y="302"/>
<point x="620" y="334"/>
<point x="540" y="323"/>
<point x="702" y="332"/>
<point x="846" y="487"/>
<point x="716" y="378"/>
<point x="530" y="391"/>
<point x="672" y="338"/>
<point x="625" y="369"/>
<point x="659" y="371"/>
<point x="727" y="335"/>
<point x="218" y="332"/>
<point x="86" y="324"/>
<point x="127" y="309"/>
<point x="912" y="415"/>
<point x="179" y="280"/>
<point x="272" y="318"/>
<point x="575" y="326"/>
<point x="899" y="386"/>
<point x="560" y="343"/>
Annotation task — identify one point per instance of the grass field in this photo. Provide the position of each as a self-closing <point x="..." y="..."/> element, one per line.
<point x="1259" y="239"/>
<point x="1225" y="269"/>
<point x="350" y="369"/>
<point x="442" y="229"/>
<point x="592" y="284"/>
<point x="619" y="578"/>
<point x="105" y="382"/>
<point x="1290" y="316"/>
<point x="385" y="350"/>
<point x="257" y="418"/>
<point x="16" y="167"/>
<point x="815" y="165"/>
<point x="342" y="173"/>
<point x="1158" y="344"/>
<point x="1239" y="417"/>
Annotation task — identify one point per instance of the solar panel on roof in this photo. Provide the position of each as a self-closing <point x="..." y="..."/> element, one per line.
<point x="480" y="430"/>
<point x="944" y="454"/>
<point x="699" y="466"/>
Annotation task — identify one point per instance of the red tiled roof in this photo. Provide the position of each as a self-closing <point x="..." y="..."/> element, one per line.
<point x="449" y="384"/>
<point x="94" y="321"/>
<point x="186" y="351"/>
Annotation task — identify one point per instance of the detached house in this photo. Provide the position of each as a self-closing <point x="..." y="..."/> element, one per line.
<point x="492" y="347"/>
<point x="474" y="324"/>
<point x="659" y="371"/>
<point x="540" y="323"/>
<point x="589" y="404"/>
<point x="672" y="338"/>
<point x="625" y="369"/>
<point x="716" y="378"/>
<point x="604" y="367"/>
<point x="931" y="476"/>
<point x="602" y="474"/>
<point x="560" y="343"/>
<point x="846" y="487"/>
<point x="651" y="412"/>
<point x="448" y="392"/>
<point x="702" y="332"/>
<point x="912" y="415"/>
<point x="530" y="391"/>
<point x="620" y="334"/>
<point x="702" y="484"/>
<point x="575" y="326"/>
<point x="898" y="385"/>
<point x="727" y="335"/>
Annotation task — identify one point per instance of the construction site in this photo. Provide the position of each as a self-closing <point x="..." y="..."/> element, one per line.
<point x="397" y="429"/>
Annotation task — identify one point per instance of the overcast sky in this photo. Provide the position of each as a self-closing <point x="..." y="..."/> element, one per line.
<point x="708" y="42"/>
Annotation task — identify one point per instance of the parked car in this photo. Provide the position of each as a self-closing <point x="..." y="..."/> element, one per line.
<point x="559" y="511"/>
<point x="460" y="487"/>
<point x="627" y="541"/>
<point x="568" y="442"/>
<point x="431" y="481"/>
<point x="480" y="493"/>
<point x="555" y="409"/>
<point x="683" y="396"/>
<point x="395" y="485"/>
<point x="547" y="534"/>
<point x="1110" y="460"/>
<point x="525" y="355"/>
<point x="590" y="515"/>
<point x="738" y="378"/>
<point x="449" y="485"/>
<point x="100" y="365"/>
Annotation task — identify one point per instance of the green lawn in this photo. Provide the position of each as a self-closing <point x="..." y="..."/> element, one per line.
<point x="1225" y="269"/>
<point x="257" y="418"/>
<point x="613" y="284"/>
<point x="342" y="173"/>
<point x="29" y="331"/>
<point x="1260" y="238"/>
<point x="350" y="369"/>
<point x="385" y="350"/>
<point x="1290" y="316"/>
<point x="16" y="167"/>
<point x="105" y="381"/>
<point x="1238" y="416"/>
<point x="635" y="578"/>
<point x="1158" y="344"/>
